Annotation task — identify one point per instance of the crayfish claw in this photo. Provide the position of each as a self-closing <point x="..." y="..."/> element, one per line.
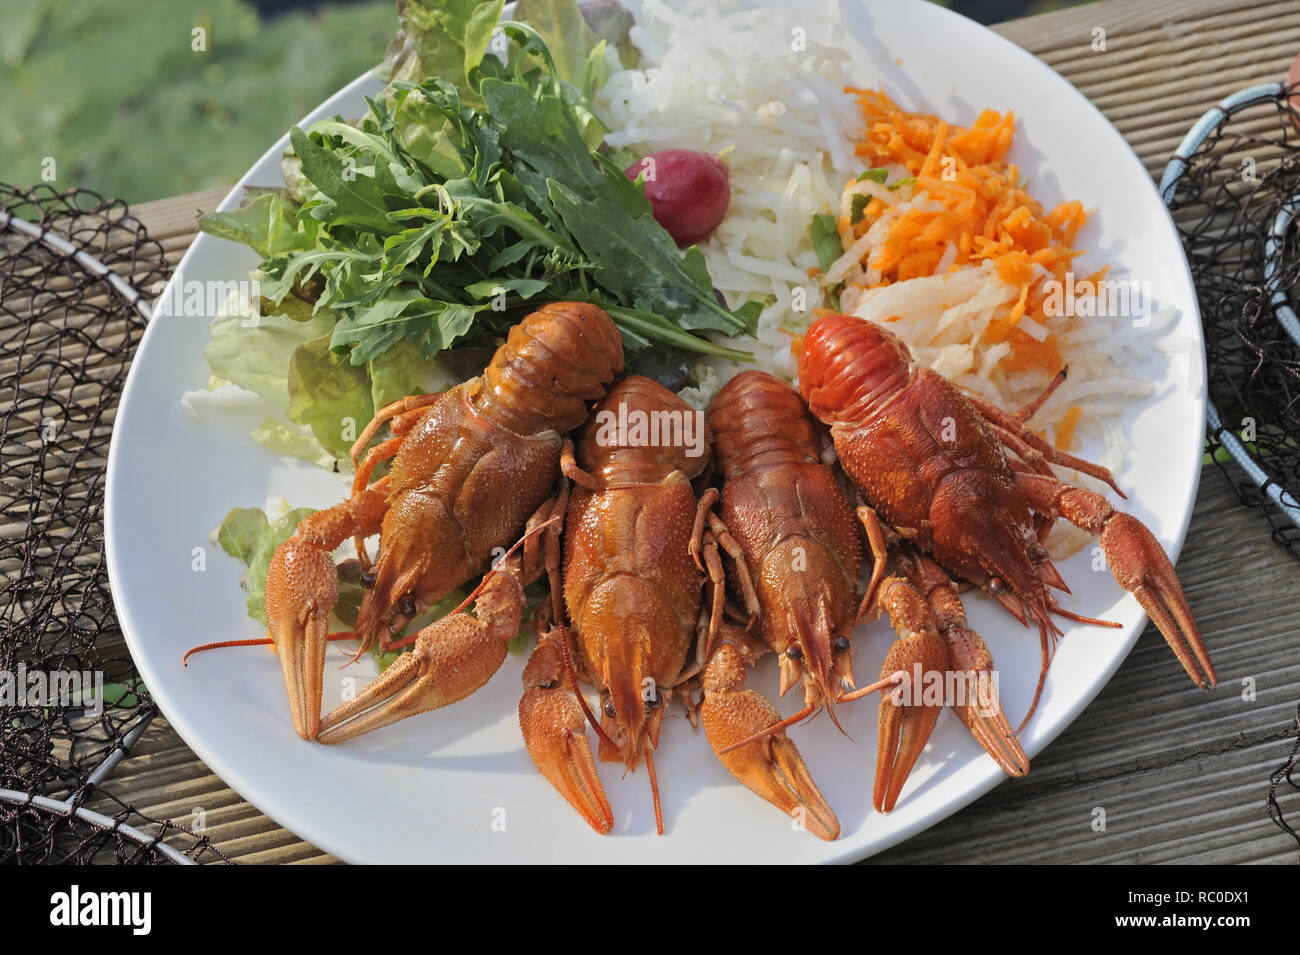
<point x="301" y="589"/>
<point x="401" y="686"/>
<point x="981" y="710"/>
<point x="1142" y="567"/>
<point x="452" y="658"/>
<point x="769" y="766"/>
<point x="905" y="724"/>
<point x="909" y="713"/>
<point x="555" y="731"/>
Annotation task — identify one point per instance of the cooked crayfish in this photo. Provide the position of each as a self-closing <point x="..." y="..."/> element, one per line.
<point x="933" y="463"/>
<point x="470" y="468"/>
<point x="634" y="596"/>
<point x="794" y="527"/>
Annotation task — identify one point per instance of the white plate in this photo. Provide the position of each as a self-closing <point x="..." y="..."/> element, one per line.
<point x="440" y="787"/>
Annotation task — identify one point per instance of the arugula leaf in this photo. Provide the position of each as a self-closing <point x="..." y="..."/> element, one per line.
<point x="633" y="263"/>
<point x="410" y="244"/>
<point x="406" y="315"/>
<point x="351" y="197"/>
<point x="541" y="132"/>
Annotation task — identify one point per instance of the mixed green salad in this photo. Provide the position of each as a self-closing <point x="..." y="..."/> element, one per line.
<point x="475" y="189"/>
<point x="406" y="243"/>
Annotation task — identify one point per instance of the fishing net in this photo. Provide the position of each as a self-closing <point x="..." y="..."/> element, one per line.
<point x="1234" y="192"/>
<point x="71" y="706"/>
<point x="1234" y="198"/>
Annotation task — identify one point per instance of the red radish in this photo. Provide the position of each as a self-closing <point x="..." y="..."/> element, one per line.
<point x="688" y="192"/>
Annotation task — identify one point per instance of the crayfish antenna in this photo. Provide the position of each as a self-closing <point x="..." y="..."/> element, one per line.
<point x="223" y="644"/>
<point x="577" y="690"/>
<point x="256" y="642"/>
<point x="1047" y="634"/>
<point x="1080" y="618"/>
<point x="887" y="683"/>
<point x="654" y="788"/>
<point x="829" y="706"/>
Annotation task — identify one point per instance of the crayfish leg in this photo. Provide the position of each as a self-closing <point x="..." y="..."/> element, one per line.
<point x="1138" y="563"/>
<point x="452" y="658"/>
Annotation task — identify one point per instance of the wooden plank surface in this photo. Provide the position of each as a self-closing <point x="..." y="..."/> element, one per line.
<point x="1180" y="774"/>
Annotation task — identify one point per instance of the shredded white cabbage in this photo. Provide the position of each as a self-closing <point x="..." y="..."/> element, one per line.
<point x="765" y="91"/>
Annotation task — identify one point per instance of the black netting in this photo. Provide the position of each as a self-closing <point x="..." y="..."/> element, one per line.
<point x="1225" y="205"/>
<point x="66" y="339"/>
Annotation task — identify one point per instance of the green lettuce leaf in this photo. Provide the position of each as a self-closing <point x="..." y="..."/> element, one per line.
<point x="612" y="22"/>
<point x="292" y="441"/>
<point x="443" y="38"/>
<point x="561" y="24"/>
<point x="330" y="395"/>
<point x="253" y="352"/>
<point x="265" y="223"/>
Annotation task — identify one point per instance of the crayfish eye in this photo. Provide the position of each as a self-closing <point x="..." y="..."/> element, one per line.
<point x="655" y="701"/>
<point x="794" y="653"/>
<point x="368" y="579"/>
<point x="406" y="606"/>
<point x="609" y="709"/>
<point x="841" y="644"/>
<point x="548" y="685"/>
<point x="996" y="586"/>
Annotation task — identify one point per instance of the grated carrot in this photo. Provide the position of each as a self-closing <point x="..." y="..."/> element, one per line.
<point x="986" y="214"/>
<point x="1065" y="430"/>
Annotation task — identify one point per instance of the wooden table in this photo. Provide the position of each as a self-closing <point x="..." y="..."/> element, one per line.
<point x="1181" y="774"/>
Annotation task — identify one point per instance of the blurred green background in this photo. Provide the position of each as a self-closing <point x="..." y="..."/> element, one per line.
<point x="112" y="95"/>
